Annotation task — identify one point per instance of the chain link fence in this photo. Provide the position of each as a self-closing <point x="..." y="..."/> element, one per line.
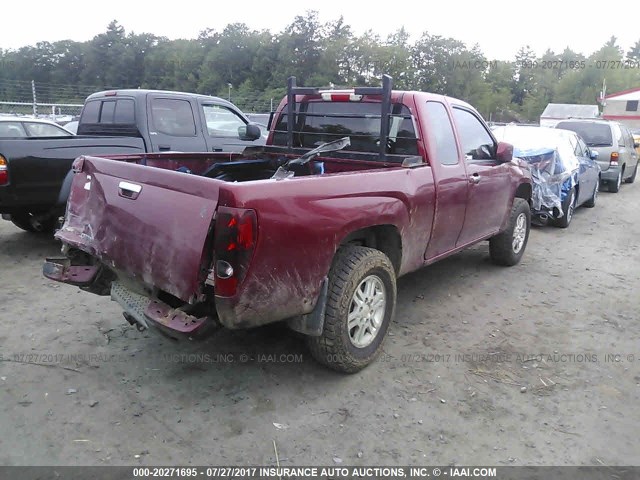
<point x="253" y="102"/>
<point x="25" y="98"/>
<point x="57" y="112"/>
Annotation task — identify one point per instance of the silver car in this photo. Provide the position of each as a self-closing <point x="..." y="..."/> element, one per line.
<point x="615" y="145"/>
<point x="23" y="127"/>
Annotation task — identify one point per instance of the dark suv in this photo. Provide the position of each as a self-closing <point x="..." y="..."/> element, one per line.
<point x="615" y="145"/>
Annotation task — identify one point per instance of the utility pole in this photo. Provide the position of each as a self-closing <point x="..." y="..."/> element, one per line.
<point x="35" y="104"/>
<point x="230" y="87"/>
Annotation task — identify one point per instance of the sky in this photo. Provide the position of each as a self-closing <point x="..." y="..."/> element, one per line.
<point x="499" y="27"/>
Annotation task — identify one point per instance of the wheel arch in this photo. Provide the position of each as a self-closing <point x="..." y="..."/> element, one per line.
<point x="524" y="191"/>
<point x="385" y="238"/>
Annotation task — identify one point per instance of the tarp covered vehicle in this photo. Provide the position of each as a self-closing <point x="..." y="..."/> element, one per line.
<point x="563" y="173"/>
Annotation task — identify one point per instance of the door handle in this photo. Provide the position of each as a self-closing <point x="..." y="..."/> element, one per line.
<point x="129" y="190"/>
<point x="475" y="179"/>
<point x="164" y="148"/>
<point x="214" y="149"/>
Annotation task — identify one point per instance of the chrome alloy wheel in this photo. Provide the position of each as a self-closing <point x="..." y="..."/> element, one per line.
<point x="367" y="311"/>
<point x="519" y="233"/>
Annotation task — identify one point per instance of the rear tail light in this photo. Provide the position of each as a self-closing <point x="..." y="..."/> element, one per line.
<point x="4" y="174"/>
<point x="236" y="233"/>
<point x="340" y="97"/>
<point x="614" y="159"/>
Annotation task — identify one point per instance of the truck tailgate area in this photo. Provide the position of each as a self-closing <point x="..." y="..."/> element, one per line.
<point x="147" y="223"/>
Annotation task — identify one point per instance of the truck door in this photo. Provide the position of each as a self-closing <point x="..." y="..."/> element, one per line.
<point x="172" y="125"/>
<point x="489" y="185"/>
<point x="220" y="126"/>
<point x="451" y="181"/>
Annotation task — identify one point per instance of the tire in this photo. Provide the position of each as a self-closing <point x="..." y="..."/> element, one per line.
<point x="359" y="278"/>
<point x="568" y="206"/>
<point x="31" y="223"/>
<point x="507" y="247"/>
<point x="592" y="201"/>
<point x="614" y="187"/>
<point x="632" y="178"/>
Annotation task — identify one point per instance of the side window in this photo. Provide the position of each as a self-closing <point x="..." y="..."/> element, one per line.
<point x="477" y="143"/>
<point x="173" y="117"/>
<point x="632" y="106"/>
<point x="577" y="148"/>
<point x="442" y="133"/>
<point x="11" y="129"/>
<point x="617" y="134"/>
<point x="628" y="139"/>
<point x="45" y="130"/>
<point x="221" y="121"/>
<point x="583" y="146"/>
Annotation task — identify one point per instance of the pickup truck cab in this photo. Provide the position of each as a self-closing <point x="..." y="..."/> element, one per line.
<point x="354" y="189"/>
<point x="36" y="180"/>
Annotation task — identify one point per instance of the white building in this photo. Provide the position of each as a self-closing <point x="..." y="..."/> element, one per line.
<point x="556" y="112"/>
<point x="623" y="107"/>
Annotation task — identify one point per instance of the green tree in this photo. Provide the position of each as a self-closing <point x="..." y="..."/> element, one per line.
<point x="523" y="77"/>
<point x="634" y="52"/>
<point x="300" y="49"/>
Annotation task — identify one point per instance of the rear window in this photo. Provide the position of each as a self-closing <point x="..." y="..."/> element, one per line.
<point x="120" y="111"/>
<point x="594" y="134"/>
<point x="320" y="122"/>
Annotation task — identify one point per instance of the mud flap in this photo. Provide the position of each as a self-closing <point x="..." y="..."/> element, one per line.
<point x="312" y="323"/>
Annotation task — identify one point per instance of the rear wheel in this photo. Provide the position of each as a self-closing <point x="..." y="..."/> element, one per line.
<point x="33" y="223"/>
<point x="568" y="206"/>
<point x="507" y="247"/>
<point x="360" y="305"/>
<point x="592" y="201"/>
<point x="614" y="186"/>
<point x="632" y="178"/>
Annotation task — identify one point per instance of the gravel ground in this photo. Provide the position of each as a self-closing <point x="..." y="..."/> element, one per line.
<point x="536" y="364"/>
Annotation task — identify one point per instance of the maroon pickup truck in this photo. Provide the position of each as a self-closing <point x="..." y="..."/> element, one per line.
<point x="353" y="189"/>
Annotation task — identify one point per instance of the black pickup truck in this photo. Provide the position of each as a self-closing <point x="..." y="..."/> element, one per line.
<point x="35" y="172"/>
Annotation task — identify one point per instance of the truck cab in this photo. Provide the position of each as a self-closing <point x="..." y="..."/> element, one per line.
<point x="167" y="121"/>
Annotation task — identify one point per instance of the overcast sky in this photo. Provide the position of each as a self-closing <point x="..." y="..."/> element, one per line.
<point x="499" y="27"/>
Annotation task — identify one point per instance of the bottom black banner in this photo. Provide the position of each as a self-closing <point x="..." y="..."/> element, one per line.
<point x="319" y="472"/>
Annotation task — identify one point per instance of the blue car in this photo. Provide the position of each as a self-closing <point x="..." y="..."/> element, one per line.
<point x="564" y="170"/>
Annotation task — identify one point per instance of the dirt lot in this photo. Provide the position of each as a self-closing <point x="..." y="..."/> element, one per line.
<point x="448" y="390"/>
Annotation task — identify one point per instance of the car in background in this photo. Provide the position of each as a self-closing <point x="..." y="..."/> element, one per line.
<point x="564" y="171"/>
<point x="17" y="127"/>
<point x="72" y="126"/>
<point x="635" y="132"/>
<point x="615" y="145"/>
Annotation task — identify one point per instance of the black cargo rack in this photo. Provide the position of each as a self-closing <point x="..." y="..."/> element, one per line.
<point x="384" y="91"/>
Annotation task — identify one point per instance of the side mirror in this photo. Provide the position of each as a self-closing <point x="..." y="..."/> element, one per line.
<point x="504" y="152"/>
<point x="249" y="132"/>
<point x="636" y="144"/>
<point x="593" y="155"/>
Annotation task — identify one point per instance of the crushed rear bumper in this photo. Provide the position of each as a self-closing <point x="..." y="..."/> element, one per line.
<point x="140" y="310"/>
<point x="149" y="312"/>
